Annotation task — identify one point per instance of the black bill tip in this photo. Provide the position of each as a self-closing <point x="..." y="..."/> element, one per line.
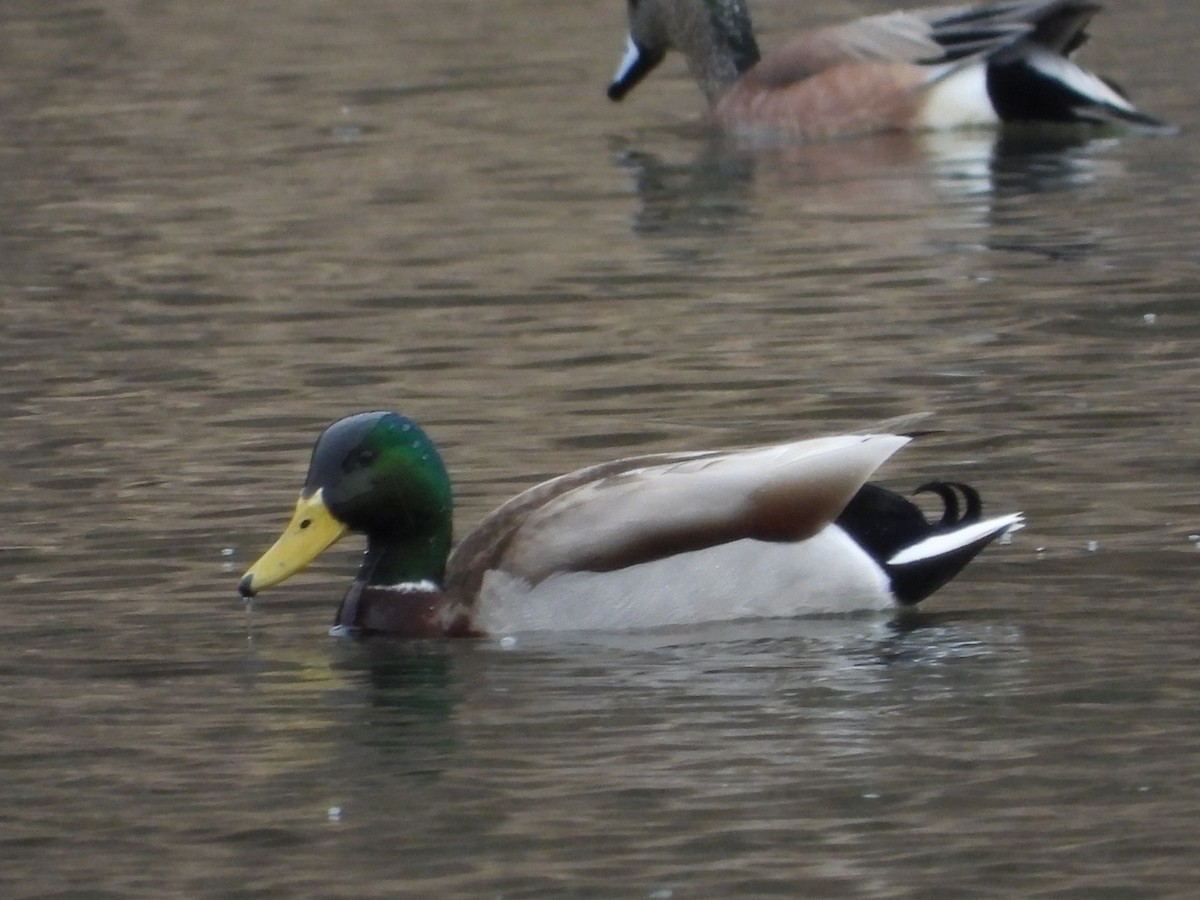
<point x="637" y="63"/>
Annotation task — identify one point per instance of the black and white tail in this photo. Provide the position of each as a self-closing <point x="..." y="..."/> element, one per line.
<point x="920" y="556"/>
<point x="1042" y="86"/>
<point x="1025" y="50"/>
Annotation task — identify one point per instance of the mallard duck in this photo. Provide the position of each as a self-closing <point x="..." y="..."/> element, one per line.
<point x="662" y="539"/>
<point x="935" y="68"/>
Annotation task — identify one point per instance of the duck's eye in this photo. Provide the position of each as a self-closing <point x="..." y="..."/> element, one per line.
<point x="358" y="459"/>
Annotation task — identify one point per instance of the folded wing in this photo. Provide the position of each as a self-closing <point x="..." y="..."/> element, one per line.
<point x="782" y="493"/>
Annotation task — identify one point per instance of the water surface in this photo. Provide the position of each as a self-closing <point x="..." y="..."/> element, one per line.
<point x="225" y="225"/>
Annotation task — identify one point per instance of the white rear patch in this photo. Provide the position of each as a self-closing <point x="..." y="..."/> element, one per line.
<point x="959" y="99"/>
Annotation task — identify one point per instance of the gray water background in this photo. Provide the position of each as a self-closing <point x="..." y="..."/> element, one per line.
<point x="223" y="225"/>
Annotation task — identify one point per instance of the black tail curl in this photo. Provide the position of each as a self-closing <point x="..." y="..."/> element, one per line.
<point x="950" y="491"/>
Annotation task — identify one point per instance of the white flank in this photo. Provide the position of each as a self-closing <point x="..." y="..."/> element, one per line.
<point x="943" y="544"/>
<point x="959" y="99"/>
<point x="631" y="56"/>
<point x="828" y="574"/>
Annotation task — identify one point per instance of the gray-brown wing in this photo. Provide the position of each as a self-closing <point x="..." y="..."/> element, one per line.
<point x="782" y="493"/>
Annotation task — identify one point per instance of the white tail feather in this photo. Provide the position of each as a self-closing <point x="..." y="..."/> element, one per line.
<point x="1081" y="81"/>
<point x="943" y="544"/>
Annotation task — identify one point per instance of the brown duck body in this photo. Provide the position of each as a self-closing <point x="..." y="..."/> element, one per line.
<point x="835" y="102"/>
<point x="406" y="611"/>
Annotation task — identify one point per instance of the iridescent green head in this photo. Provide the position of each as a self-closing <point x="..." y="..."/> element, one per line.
<point x="379" y="474"/>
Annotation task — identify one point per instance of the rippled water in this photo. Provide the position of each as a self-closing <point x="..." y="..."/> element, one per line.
<point x="224" y="225"/>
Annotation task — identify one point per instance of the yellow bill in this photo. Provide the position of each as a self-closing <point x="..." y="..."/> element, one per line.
<point x="311" y="530"/>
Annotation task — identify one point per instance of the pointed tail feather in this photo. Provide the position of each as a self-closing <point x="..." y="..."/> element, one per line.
<point x="921" y="568"/>
<point x="976" y="535"/>
<point x="1041" y="86"/>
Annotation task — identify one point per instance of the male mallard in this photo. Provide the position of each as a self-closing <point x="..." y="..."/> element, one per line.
<point x="944" y="67"/>
<point x="663" y="539"/>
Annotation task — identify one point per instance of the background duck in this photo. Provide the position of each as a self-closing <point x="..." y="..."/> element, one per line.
<point x="946" y="67"/>
<point x="663" y="539"/>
